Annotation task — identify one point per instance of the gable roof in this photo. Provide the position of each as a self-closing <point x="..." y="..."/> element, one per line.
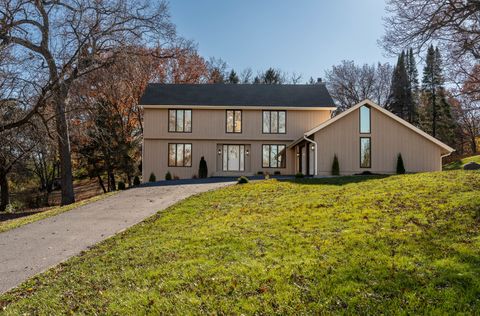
<point x="447" y="148"/>
<point x="262" y="95"/>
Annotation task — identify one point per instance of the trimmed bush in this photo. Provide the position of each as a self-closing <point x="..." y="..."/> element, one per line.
<point x="277" y="173"/>
<point x="335" y="166"/>
<point x="260" y="173"/>
<point x="168" y="176"/>
<point x="242" y="180"/>
<point x="152" y="177"/>
<point x="136" y="180"/>
<point x="299" y="175"/>
<point x="121" y="185"/>
<point x="400" y="165"/>
<point x="202" y="168"/>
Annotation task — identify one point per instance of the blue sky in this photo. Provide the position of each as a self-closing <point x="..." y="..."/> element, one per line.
<point x="303" y="36"/>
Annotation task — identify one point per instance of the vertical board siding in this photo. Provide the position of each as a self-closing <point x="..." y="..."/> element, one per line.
<point x="389" y="138"/>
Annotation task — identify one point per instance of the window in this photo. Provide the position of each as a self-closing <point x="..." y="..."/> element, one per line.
<point x="179" y="155"/>
<point x="365" y="152"/>
<point x="273" y="156"/>
<point x="364" y="120"/>
<point x="180" y="121"/>
<point x="274" y="122"/>
<point x="233" y="157"/>
<point x="234" y="121"/>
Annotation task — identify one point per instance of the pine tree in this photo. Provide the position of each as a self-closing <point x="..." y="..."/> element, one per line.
<point x="436" y="111"/>
<point x="233" y="77"/>
<point x="271" y="76"/>
<point x="400" y="101"/>
<point x="412" y="74"/>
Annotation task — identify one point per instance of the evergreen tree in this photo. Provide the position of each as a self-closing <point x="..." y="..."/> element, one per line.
<point x="412" y="73"/>
<point x="400" y="101"/>
<point x="436" y="111"/>
<point x="271" y="76"/>
<point x="233" y="77"/>
<point x="256" y="80"/>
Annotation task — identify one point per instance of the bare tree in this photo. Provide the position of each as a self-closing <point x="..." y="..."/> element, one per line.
<point x="349" y="83"/>
<point x="453" y="25"/>
<point x="57" y="42"/>
<point x="246" y="75"/>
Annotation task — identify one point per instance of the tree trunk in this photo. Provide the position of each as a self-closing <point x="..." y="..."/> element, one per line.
<point x="100" y="181"/>
<point x="68" y="196"/>
<point x="473" y="145"/>
<point x="111" y="178"/>
<point x="4" y="195"/>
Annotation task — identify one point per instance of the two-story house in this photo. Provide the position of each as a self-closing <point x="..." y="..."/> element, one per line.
<point x="286" y="129"/>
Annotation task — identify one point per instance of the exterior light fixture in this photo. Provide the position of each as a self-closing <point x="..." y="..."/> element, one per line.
<point x="247" y="152"/>
<point x="313" y="147"/>
<point x="219" y="152"/>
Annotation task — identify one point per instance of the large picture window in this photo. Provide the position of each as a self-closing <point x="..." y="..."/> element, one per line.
<point x="364" y="119"/>
<point x="273" y="156"/>
<point x="233" y="157"/>
<point x="234" y="121"/>
<point x="365" y="152"/>
<point x="274" y="122"/>
<point x="180" y="121"/>
<point x="179" y="155"/>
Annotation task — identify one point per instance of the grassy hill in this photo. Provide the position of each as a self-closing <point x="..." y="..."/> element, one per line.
<point x="401" y="244"/>
<point x="460" y="163"/>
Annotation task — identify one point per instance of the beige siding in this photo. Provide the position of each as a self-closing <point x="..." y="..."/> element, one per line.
<point x="388" y="138"/>
<point x="156" y="158"/>
<point x="210" y="124"/>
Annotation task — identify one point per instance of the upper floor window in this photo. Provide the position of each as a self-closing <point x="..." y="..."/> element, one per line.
<point x="365" y="119"/>
<point x="180" y="121"/>
<point x="274" y="122"/>
<point x="234" y="121"/>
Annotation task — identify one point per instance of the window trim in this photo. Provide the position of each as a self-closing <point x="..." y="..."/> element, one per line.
<point x="278" y="125"/>
<point x="239" y="160"/>
<point x="226" y="121"/>
<point x="360" y="119"/>
<point x="270" y="155"/>
<point x="191" y="120"/>
<point x="360" y="152"/>
<point x="168" y="155"/>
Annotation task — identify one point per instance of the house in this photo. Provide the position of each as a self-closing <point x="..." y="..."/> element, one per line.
<point x="286" y="129"/>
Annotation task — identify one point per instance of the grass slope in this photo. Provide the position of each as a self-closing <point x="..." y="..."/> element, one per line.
<point x="17" y="222"/>
<point x="403" y="244"/>
<point x="460" y="163"/>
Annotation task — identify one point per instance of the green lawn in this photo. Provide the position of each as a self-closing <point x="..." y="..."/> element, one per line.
<point x="17" y="222"/>
<point x="459" y="163"/>
<point x="398" y="245"/>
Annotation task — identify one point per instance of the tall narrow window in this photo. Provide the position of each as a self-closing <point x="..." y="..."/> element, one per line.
<point x="179" y="155"/>
<point x="274" y="122"/>
<point x="233" y="157"/>
<point x="365" y="152"/>
<point x="234" y="121"/>
<point x="365" y="119"/>
<point x="273" y="156"/>
<point x="180" y="121"/>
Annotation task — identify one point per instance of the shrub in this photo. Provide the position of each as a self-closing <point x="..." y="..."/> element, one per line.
<point x="152" y="177"/>
<point x="168" y="176"/>
<point x="202" y="168"/>
<point x="277" y="173"/>
<point x="136" y="180"/>
<point x="400" y="166"/>
<point x="299" y="175"/>
<point x="242" y="180"/>
<point x="176" y="177"/>
<point x="194" y="176"/>
<point x="267" y="175"/>
<point x="335" y="166"/>
<point x="121" y="185"/>
<point x="260" y="173"/>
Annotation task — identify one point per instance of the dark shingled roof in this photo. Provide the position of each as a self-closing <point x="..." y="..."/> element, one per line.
<point x="315" y="95"/>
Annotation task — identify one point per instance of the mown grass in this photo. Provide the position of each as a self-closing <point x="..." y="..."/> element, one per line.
<point x="358" y="245"/>
<point x="17" y="222"/>
<point x="461" y="162"/>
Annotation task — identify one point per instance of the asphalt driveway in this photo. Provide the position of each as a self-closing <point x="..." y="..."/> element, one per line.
<point x="33" y="248"/>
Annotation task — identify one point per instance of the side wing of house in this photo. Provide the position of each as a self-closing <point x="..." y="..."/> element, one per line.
<point x="369" y="138"/>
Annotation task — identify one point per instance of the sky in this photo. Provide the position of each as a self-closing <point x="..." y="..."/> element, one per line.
<point x="302" y="36"/>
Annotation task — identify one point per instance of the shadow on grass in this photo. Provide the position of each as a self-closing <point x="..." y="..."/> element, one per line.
<point x="342" y="180"/>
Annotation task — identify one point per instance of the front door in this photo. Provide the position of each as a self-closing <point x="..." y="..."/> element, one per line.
<point x="233" y="158"/>
<point x="303" y="157"/>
